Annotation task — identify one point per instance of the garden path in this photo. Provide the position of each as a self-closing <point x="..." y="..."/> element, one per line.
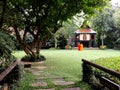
<point x="47" y="81"/>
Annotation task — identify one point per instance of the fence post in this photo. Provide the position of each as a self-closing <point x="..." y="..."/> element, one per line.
<point x="87" y="73"/>
<point x="5" y="87"/>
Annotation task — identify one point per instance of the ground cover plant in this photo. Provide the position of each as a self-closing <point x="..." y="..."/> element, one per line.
<point x="67" y="63"/>
<point x="110" y="63"/>
<point x="24" y="84"/>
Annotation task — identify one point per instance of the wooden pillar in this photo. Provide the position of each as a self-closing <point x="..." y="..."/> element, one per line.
<point x="87" y="73"/>
<point x="89" y="43"/>
<point x="4" y="87"/>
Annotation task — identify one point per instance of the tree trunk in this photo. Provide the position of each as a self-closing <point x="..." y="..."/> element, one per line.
<point x="102" y="42"/>
<point x="38" y="49"/>
<point x="28" y="50"/>
<point x="55" y="42"/>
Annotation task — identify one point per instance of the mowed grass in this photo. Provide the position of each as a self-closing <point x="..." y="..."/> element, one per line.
<point x="68" y="63"/>
<point x="111" y="63"/>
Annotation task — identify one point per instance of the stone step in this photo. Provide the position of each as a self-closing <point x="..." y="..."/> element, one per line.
<point x="39" y="67"/>
<point x="46" y="77"/>
<point x="35" y="72"/>
<point x="76" y="88"/>
<point x="46" y="89"/>
<point x="62" y="82"/>
<point x="27" y="62"/>
<point x="37" y="84"/>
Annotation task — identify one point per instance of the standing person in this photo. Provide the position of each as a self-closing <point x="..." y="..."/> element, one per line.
<point x="78" y="46"/>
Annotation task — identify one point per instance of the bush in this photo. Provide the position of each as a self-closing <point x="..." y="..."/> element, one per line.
<point x="117" y="44"/>
<point x="111" y="63"/>
<point x="18" y="46"/>
<point x="13" y="78"/>
<point x="68" y="47"/>
<point x="62" y="42"/>
<point x="29" y="39"/>
<point x="103" y="47"/>
<point x="32" y="59"/>
<point x="6" y="47"/>
<point x="99" y="74"/>
<point x="6" y="58"/>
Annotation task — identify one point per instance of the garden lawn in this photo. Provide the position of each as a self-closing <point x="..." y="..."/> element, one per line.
<point x="111" y="63"/>
<point x="67" y="63"/>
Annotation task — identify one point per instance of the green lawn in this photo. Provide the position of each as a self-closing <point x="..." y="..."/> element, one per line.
<point x="67" y="63"/>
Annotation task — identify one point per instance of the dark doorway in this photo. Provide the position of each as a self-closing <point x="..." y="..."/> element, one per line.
<point x="85" y="43"/>
<point x="92" y="36"/>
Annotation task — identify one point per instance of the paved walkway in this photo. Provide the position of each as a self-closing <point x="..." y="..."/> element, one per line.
<point x="48" y="82"/>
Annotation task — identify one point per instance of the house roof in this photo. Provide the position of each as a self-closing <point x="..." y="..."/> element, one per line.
<point x="85" y="31"/>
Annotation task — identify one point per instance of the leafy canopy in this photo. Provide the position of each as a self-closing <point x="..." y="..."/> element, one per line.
<point x="42" y="18"/>
<point x="51" y="13"/>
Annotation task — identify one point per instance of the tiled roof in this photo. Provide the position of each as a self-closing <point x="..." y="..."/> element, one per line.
<point x="85" y="31"/>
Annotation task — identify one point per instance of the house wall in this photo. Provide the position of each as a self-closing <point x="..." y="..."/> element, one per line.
<point x="84" y="37"/>
<point x="88" y="40"/>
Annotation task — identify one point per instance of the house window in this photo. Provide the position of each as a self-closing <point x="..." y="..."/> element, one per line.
<point x="84" y="37"/>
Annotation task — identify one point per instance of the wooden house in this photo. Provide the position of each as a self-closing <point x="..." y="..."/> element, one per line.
<point x="87" y="37"/>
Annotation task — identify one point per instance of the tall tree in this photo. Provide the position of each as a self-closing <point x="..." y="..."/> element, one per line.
<point x="40" y="18"/>
<point x="104" y="24"/>
<point x="117" y="27"/>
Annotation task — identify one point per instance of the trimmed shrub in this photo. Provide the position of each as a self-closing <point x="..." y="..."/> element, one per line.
<point x="68" y="47"/>
<point x="32" y="59"/>
<point x="103" y="47"/>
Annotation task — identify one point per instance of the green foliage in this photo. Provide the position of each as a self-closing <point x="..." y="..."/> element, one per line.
<point x="117" y="29"/>
<point x="62" y="42"/>
<point x="25" y="82"/>
<point x="99" y="73"/>
<point x="29" y="39"/>
<point x="13" y="77"/>
<point x="117" y="18"/>
<point x="92" y="75"/>
<point x="111" y="63"/>
<point x="6" y="45"/>
<point x="107" y="22"/>
<point x="18" y="46"/>
<point x="104" y="24"/>
<point x="47" y="16"/>
<point x="6" y="57"/>
<point x="52" y="41"/>
<point x="68" y="28"/>
<point x="68" y="47"/>
<point x="103" y="47"/>
<point x="32" y="59"/>
<point x="117" y="44"/>
<point x="67" y="63"/>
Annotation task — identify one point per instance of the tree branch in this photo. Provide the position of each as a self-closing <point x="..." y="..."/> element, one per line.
<point x="56" y="26"/>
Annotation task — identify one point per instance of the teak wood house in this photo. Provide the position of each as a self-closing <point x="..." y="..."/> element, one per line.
<point x="87" y="37"/>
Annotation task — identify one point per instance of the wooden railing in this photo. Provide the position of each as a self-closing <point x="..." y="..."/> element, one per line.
<point x="6" y="72"/>
<point x="88" y="75"/>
